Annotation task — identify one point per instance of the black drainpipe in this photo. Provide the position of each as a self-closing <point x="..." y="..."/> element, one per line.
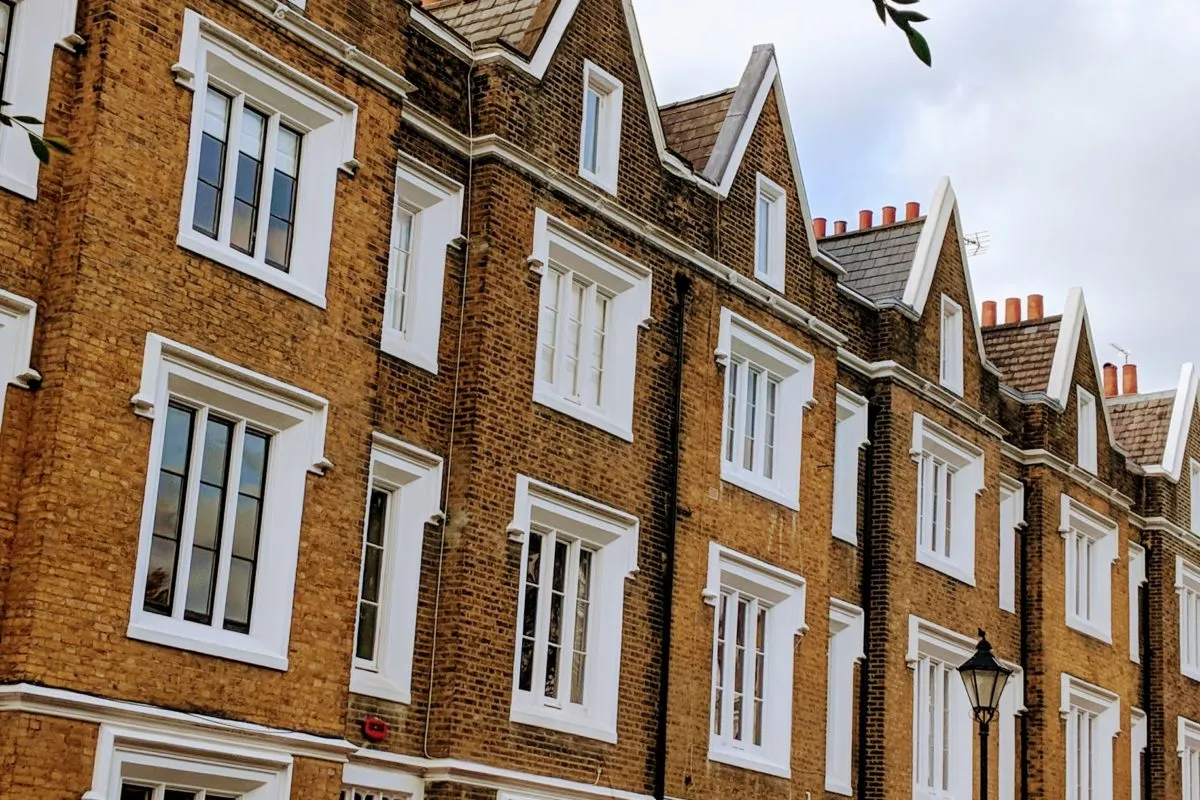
<point x="865" y="541"/>
<point x="1147" y="655"/>
<point x="1024" y="609"/>
<point x="683" y="288"/>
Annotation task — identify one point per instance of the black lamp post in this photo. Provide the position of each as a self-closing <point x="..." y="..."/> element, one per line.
<point x="985" y="679"/>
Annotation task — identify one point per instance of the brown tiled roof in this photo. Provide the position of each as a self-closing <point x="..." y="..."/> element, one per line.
<point x="878" y="260"/>
<point x="1140" y="424"/>
<point x="515" y="22"/>
<point x="691" y="126"/>
<point x="1023" y="352"/>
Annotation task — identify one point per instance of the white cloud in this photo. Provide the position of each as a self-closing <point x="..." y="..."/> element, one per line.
<point x="1069" y="130"/>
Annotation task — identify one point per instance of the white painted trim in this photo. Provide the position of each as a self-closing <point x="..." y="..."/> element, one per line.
<point x="18" y="318"/>
<point x="929" y="640"/>
<point x="850" y="436"/>
<point x="1087" y="454"/>
<point x="1012" y="518"/>
<point x="930" y="438"/>
<point x="1076" y="517"/>
<point x="1187" y="579"/>
<point x="1182" y="409"/>
<point x="846" y="623"/>
<point x="952" y="365"/>
<point x="775" y="276"/>
<point x="1062" y="369"/>
<point x="1106" y="705"/>
<point x="1137" y="577"/>
<point x="378" y="780"/>
<point x="608" y="127"/>
<point x="1039" y="457"/>
<point x="1138" y="735"/>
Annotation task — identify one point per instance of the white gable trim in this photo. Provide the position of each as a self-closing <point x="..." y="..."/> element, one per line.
<point x="1062" y="370"/>
<point x="1181" y="423"/>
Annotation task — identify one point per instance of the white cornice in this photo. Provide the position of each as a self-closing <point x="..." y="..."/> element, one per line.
<point x="1044" y="458"/>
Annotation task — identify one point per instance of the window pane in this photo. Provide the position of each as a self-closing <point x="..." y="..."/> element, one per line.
<point x="248" y="181"/>
<point x="574" y="335"/>
<point x="760" y="665"/>
<point x="372" y="575"/>
<point x="168" y="510"/>
<point x="769" y="435"/>
<point x="599" y="335"/>
<point x="763" y="256"/>
<point x="248" y="521"/>
<point x="214" y="469"/>
<point x="751" y="418"/>
<point x="284" y="188"/>
<point x="160" y="576"/>
<point x="739" y="652"/>
<point x="582" y="605"/>
<point x="548" y="324"/>
<point x="131" y="792"/>
<point x="397" y="299"/>
<point x="241" y="587"/>
<point x="210" y="175"/>
<point x="533" y="566"/>
<point x="364" y="645"/>
<point x="719" y="665"/>
<point x="179" y="794"/>
<point x="731" y="396"/>
<point x="557" y="601"/>
<point x="591" y="122"/>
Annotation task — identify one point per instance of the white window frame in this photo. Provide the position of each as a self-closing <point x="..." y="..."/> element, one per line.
<point x="1187" y="587"/>
<point x="608" y="127"/>
<point x="412" y="477"/>
<point x="18" y="316"/>
<point x="327" y="121"/>
<point x="1081" y="697"/>
<point x="1188" y="747"/>
<point x="845" y="651"/>
<point x="850" y="436"/>
<point x="932" y="441"/>
<point x="1137" y="579"/>
<point x="1012" y="705"/>
<point x="1138" y="735"/>
<point x="950" y="357"/>
<point x="774" y="243"/>
<point x="1085" y="417"/>
<point x="931" y="644"/>
<point x="38" y="27"/>
<point x="212" y="761"/>
<point x="296" y="421"/>
<point x="740" y="340"/>
<point x="1012" y="520"/>
<point x="628" y="285"/>
<point x="784" y="592"/>
<point x="1077" y="520"/>
<point x="381" y="782"/>
<point x="1194" y="495"/>
<point x="614" y="536"/>
<point x="434" y="202"/>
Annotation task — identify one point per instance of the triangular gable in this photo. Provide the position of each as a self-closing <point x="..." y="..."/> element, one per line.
<point x="929" y="247"/>
<point x="1175" y="450"/>
<point x="1058" y="388"/>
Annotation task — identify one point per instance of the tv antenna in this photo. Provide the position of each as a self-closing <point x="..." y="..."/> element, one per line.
<point x="978" y="243"/>
<point x="1124" y="353"/>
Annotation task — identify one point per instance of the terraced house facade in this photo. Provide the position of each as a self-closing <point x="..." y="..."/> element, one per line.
<point x="402" y="404"/>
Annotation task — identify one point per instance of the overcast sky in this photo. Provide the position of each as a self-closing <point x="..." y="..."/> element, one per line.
<point x="1070" y="130"/>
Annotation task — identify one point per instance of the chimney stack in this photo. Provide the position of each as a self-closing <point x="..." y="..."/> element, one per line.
<point x="864" y="219"/>
<point x="1110" y="380"/>
<point x="1129" y="379"/>
<point x="839" y="227"/>
<point x="1034" y="307"/>
<point x="911" y="211"/>
<point x="1012" y="310"/>
<point x="989" y="313"/>
<point x="889" y="215"/>
<point x="819" y="227"/>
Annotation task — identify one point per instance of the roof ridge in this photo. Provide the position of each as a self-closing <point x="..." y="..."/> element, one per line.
<point x="873" y="229"/>
<point x="1125" y="399"/>
<point x="697" y="99"/>
<point x="1025" y="323"/>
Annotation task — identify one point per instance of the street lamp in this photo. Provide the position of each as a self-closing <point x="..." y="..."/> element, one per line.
<point x="985" y="679"/>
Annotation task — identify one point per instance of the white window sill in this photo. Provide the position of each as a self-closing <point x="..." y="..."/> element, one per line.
<point x="724" y="754"/>
<point x="756" y="485"/>
<point x="609" y="186"/>
<point x="1089" y="629"/>
<point x="209" y="248"/>
<point x="775" y="281"/>
<point x="557" y="720"/>
<point x="946" y="567"/>
<point x="952" y="387"/>
<point x="18" y="186"/>
<point x="1190" y="671"/>
<point x="849" y="537"/>
<point x="394" y="344"/>
<point x="373" y="684"/>
<point x="838" y="787"/>
<point x="197" y="638"/>
<point x="548" y="398"/>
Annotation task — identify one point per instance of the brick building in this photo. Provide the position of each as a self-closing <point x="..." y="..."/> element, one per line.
<point x="402" y="404"/>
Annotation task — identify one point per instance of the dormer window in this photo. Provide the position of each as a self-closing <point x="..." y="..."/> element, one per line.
<point x="1086" y="403"/>
<point x="951" y="358"/>
<point x="770" y="233"/>
<point x="600" y="129"/>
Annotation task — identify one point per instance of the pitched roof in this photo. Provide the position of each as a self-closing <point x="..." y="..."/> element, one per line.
<point x="514" y="22"/>
<point x="1141" y="424"/>
<point x="879" y="260"/>
<point x="692" y="126"/>
<point x="1024" y="352"/>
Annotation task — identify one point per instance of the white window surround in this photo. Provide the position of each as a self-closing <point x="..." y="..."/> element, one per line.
<point x="850" y="437"/>
<point x="1137" y="745"/>
<point x="435" y="203"/>
<point x="157" y="755"/>
<point x="1194" y="495"/>
<point x="614" y="534"/>
<point x="385" y="783"/>
<point x="413" y="477"/>
<point x="928" y="642"/>
<point x="1077" y="518"/>
<point x="1012" y="519"/>
<point x="1012" y="705"/>
<point x="1187" y="586"/>
<point x="950" y="370"/>
<point x="608" y="127"/>
<point x="845" y="650"/>
<point x="327" y="121"/>
<point x="739" y="338"/>
<point x="296" y="421"/>
<point x="774" y="247"/>
<point x="1137" y="579"/>
<point x="1188" y="747"/>
<point x="966" y="459"/>
<point x="38" y="26"/>
<point x="17" y="318"/>
<point x="1078" y="696"/>
<point x="628" y="283"/>
<point x="784" y="592"/>
<point x="1085" y="417"/>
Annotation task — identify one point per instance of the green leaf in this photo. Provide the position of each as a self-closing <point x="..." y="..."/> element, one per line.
<point x="908" y="17"/>
<point x="39" y="148"/>
<point x="880" y="9"/>
<point x="58" y="143"/>
<point x="906" y="2"/>
<point x="6" y="120"/>
<point x="919" y="46"/>
<point x="28" y="120"/>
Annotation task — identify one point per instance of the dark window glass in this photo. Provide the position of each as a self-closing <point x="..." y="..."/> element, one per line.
<point x="7" y="12"/>
<point x="283" y="198"/>
<point x="372" y="575"/>
<point x="533" y="571"/>
<point x="247" y="523"/>
<point x="131" y="792"/>
<point x="210" y="513"/>
<point x="210" y="173"/>
<point x="248" y="180"/>
<point x="168" y="510"/>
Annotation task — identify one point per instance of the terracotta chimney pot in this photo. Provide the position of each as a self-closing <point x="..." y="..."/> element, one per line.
<point x="864" y="219"/>
<point x="1012" y="310"/>
<point x="889" y="215"/>
<point x="911" y="211"/>
<point x="1034" y="307"/>
<point x="839" y="227"/>
<point x="1129" y="379"/>
<point x="1110" y="380"/>
<point x="989" y="313"/>
<point x="819" y="227"/>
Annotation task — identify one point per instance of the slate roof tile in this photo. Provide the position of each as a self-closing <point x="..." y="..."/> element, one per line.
<point x="878" y="260"/>
<point x="1140" y="424"/>
<point x="1023" y="352"/>
<point x="691" y="126"/>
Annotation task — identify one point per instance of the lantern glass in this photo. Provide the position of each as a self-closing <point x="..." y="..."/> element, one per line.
<point x="984" y="679"/>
